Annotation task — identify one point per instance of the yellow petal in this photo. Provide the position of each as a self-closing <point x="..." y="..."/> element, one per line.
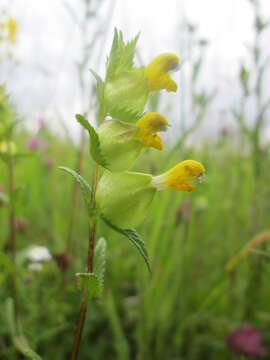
<point x="184" y="186"/>
<point x="12" y="28"/>
<point x="158" y="70"/>
<point x="148" y="126"/>
<point x="178" y="176"/>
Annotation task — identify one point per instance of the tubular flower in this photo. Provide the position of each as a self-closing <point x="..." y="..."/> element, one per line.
<point x="158" y="70"/>
<point x="12" y="28"/>
<point x="178" y="177"/>
<point x="121" y="142"/>
<point x="124" y="198"/>
<point x="148" y="126"/>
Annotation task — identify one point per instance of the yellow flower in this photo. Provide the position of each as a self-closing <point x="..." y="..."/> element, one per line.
<point x="158" y="70"/>
<point x="8" y="148"/>
<point x="178" y="177"/>
<point x="121" y="143"/>
<point x="148" y="126"/>
<point x="12" y="28"/>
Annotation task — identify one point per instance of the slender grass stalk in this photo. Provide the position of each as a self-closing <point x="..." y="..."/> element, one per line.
<point x="90" y="266"/>
<point x="12" y="235"/>
<point x="71" y="244"/>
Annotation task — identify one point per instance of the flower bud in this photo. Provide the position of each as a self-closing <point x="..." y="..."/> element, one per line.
<point x="124" y="198"/>
<point x="121" y="142"/>
<point x="158" y="70"/>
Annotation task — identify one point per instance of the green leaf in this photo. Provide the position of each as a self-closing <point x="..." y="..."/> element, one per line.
<point x="134" y="237"/>
<point x="100" y="86"/>
<point x="3" y="198"/>
<point x="100" y="261"/>
<point x="95" y="149"/>
<point x="89" y="282"/>
<point x="85" y="188"/>
<point x="100" y="94"/>
<point x="6" y="265"/>
<point x="18" y="339"/>
<point x="244" y="78"/>
<point x="196" y="69"/>
<point x="22" y="345"/>
<point x="121" y="56"/>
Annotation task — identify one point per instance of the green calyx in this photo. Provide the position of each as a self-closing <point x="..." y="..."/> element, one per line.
<point x="119" y="144"/>
<point x="124" y="198"/>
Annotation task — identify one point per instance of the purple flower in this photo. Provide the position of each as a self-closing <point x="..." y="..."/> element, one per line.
<point x="247" y="341"/>
<point x="33" y="143"/>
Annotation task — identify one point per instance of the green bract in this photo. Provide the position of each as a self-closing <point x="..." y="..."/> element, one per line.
<point x="119" y="144"/>
<point x="125" y="97"/>
<point x="124" y="198"/>
<point x="126" y="89"/>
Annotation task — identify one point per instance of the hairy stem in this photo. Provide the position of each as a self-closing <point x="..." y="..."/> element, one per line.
<point x="90" y="266"/>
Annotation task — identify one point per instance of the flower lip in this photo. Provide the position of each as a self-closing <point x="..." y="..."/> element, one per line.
<point x="148" y="126"/>
<point x="158" y="72"/>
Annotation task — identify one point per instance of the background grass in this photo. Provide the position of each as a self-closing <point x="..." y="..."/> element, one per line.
<point x="189" y="305"/>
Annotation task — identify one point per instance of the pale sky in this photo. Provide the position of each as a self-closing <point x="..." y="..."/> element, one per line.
<point x="45" y="80"/>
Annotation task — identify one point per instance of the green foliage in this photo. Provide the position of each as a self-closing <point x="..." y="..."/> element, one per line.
<point x="85" y="188"/>
<point x="152" y="317"/>
<point x="126" y="88"/>
<point x="121" y="56"/>
<point x="196" y="69"/>
<point x="89" y="283"/>
<point x="100" y="261"/>
<point x="100" y="94"/>
<point x="134" y="237"/>
<point x="244" y="79"/>
<point x="3" y="198"/>
<point x="20" y="342"/>
<point x="95" y="150"/>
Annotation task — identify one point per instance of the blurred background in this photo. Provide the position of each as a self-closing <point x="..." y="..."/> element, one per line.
<point x="208" y="296"/>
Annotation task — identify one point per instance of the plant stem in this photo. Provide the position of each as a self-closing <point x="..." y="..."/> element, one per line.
<point x="12" y="236"/>
<point x="90" y="267"/>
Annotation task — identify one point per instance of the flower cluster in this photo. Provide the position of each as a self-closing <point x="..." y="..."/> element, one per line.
<point x="123" y="197"/>
<point x="246" y="340"/>
<point x="9" y="30"/>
